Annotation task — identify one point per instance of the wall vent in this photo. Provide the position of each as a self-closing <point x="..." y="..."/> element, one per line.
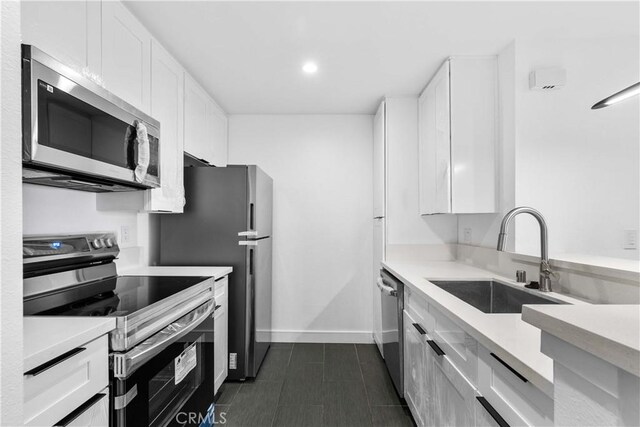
<point x="547" y="79"/>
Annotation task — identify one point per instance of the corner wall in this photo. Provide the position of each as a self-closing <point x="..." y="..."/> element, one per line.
<point x="11" y="363"/>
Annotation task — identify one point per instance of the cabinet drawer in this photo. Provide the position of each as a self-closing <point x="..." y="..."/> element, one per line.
<point x="52" y="391"/>
<point x="512" y="396"/>
<point x="452" y="395"/>
<point x="417" y="306"/>
<point x="92" y="413"/>
<point x="459" y="346"/>
<point x="221" y="286"/>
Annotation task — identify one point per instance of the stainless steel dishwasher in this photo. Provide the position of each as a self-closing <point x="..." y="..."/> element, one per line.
<point x="392" y="295"/>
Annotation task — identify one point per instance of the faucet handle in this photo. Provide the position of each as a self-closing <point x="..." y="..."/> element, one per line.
<point x="545" y="268"/>
<point x="533" y="285"/>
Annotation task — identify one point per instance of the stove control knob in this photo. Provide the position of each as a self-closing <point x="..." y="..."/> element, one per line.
<point x="109" y="243"/>
<point x="97" y="243"/>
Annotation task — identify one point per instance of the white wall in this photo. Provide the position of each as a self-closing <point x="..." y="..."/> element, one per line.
<point x="49" y="210"/>
<point x="11" y="396"/>
<point x="321" y="166"/>
<point x="405" y="225"/>
<point x="579" y="167"/>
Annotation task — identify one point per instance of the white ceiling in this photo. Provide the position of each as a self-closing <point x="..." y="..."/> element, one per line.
<point x="249" y="55"/>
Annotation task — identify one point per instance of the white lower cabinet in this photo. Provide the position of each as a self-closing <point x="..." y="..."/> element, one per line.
<point x="512" y="395"/>
<point x="57" y="388"/>
<point x="221" y="332"/>
<point x="483" y="415"/>
<point x="453" y="397"/>
<point x="93" y="413"/>
<point x="415" y="386"/>
<point x="452" y="380"/>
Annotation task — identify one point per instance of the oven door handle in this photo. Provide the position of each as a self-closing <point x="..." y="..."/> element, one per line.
<point x="125" y="364"/>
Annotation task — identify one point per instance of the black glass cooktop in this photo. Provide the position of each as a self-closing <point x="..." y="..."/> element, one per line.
<point x="118" y="296"/>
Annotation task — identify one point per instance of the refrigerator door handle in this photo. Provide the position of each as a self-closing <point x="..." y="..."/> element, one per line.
<point x="248" y="234"/>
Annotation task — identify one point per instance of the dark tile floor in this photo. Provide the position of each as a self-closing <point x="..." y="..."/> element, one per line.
<point x="315" y="385"/>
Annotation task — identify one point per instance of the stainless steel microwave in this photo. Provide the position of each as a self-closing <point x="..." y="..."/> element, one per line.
<point x="77" y="135"/>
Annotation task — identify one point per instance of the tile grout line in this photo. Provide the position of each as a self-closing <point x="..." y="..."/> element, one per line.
<point x="324" y="358"/>
<point x="275" y="413"/>
<point x="364" y="384"/>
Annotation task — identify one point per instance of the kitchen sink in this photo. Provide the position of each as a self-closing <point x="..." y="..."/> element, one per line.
<point x="490" y="296"/>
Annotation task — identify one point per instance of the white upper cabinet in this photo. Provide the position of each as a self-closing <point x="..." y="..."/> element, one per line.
<point x="458" y="138"/>
<point x="167" y="106"/>
<point x="435" y="144"/>
<point x="217" y="121"/>
<point x="69" y="31"/>
<point x="196" y="103"/>
<point x="126" y="55"/>
<point x="205" y="125"/>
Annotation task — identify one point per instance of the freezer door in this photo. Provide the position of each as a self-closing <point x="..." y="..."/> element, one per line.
<point x="259" y="298"/>
<point x="260" y="202"/>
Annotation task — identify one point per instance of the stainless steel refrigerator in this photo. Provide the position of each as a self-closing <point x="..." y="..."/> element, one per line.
<point x="227" y="221"/>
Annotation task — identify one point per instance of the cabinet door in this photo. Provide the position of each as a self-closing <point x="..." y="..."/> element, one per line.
<point x="473" y="90"/>
<point x="196" y="106"/>
<point x="69" y="31"/>
<point x="442" y="139"/>
<point x="453" y="397"/>
<point x="483" y="417"/>
<point x="518" y="401"/>
<point x="216" y="134"/>
<point x="379" y="144"/>
<point x="167" y="104"/>
<point x="435" y="145"/>
<point x="416" y="379"/>
<point x="126" y="55"/>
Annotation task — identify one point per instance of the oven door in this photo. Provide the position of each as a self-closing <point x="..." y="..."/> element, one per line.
<point x="167" y="380"/>
<point x="73" y="125"/>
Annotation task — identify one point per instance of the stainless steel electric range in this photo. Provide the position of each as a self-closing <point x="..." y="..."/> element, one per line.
<point x="161" y="352"/>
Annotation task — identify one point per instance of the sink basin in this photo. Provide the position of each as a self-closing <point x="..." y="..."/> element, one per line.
<point x="490" y="296"/>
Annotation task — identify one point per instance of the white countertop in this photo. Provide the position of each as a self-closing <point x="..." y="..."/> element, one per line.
<point x="610" y="332"/>
<point x="215" y="272"/>
<point x="46" y="337"/>
<point x="507" y="335"/>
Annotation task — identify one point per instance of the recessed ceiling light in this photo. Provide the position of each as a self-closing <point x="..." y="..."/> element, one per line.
<point x="310" y="67"/>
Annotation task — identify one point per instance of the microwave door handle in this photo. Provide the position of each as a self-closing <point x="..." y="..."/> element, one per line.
<point x="143" y="158"/>
<point x="124" y="364"/>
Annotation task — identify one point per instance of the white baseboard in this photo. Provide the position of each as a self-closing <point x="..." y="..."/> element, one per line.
<point x="337" y="337"/>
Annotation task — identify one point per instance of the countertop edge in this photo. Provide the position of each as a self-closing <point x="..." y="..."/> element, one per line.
<point x="57" y="347"/>
<point x="609" y="350"/>
<point x="216" y="272"/>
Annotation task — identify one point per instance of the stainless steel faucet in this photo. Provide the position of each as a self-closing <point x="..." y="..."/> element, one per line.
<point x="545" y="269"/>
